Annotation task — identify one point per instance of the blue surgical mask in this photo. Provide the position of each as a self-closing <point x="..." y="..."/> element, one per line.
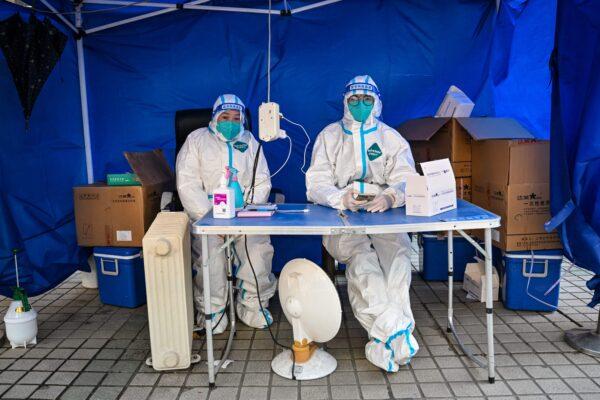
<point x="229" y="129"/>
<point x="360" y="111"/>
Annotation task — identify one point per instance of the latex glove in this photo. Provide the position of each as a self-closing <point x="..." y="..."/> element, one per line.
<point x="350" y="203"/>
<point x="380" y="203"/>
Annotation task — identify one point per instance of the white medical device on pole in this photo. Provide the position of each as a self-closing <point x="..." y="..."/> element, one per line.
<point x="269" y="120"/>
<point x="311" y="304"/>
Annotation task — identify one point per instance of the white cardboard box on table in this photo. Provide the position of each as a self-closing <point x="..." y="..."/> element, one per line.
<point x="434" y="192"/>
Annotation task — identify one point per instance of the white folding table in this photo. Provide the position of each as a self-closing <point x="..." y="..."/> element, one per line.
<point x="326" y="221"/>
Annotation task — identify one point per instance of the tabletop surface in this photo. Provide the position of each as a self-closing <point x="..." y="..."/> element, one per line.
<point x="322" y="218"/>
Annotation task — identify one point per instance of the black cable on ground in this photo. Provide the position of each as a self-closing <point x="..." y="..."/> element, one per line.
<point x="262" y="310"/>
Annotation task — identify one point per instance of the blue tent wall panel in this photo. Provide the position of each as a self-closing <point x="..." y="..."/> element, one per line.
<point x="140" y="74"/>
<point x="38" y="168"/>
<point x="519" y="72"/>
<point x="575" y="168"/>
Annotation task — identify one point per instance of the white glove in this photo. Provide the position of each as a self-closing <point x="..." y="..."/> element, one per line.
<point x="380" y="203"/>
<point x="350" y="203"/>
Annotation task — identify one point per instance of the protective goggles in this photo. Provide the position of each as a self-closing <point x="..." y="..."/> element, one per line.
<point x="357" y="98"/>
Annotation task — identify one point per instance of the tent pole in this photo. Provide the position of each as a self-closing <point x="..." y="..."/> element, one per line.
<point x="60" y="16"/>
<point x="233" y="9"/>
<point x="128" y="3"/>
<point x="312" y="6"/>
<point x="83" y="96"/>
<point x="141" y="17"/>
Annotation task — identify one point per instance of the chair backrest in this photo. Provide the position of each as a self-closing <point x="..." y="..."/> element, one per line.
<point x="187" y="121"/>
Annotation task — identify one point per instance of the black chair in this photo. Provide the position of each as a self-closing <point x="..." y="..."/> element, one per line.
<point x="187" y="121"/>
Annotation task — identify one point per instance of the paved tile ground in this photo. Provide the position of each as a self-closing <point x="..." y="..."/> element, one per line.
<point x="87" y="350"/>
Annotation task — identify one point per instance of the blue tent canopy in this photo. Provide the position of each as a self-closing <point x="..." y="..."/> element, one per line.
<point x="140" y="73"/>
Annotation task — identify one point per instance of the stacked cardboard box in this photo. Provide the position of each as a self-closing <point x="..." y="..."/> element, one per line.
<point x="120" y="215"/>
<point x="511" y="178"/>
<point x="436" y="138"/>
<point x="497" y="166"/>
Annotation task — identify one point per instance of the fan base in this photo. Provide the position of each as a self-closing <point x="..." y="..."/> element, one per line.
<point x="318" y="366"/>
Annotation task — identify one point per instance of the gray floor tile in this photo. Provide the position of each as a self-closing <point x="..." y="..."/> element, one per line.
<point x="34" y="377"/>
<point x="284" y="393"/>
<point x="61" y="378"/>
<point x="77" y="393"/>
<point x="256" y="379"/>
<point x="136" y="393"/>
<point x="108" y="393"/>
<point x="431" y="390"/>
<point x="117" y="378"/>
<point x="314" y="393"/>
<point x="197" y="393"/>
<point x="254" y="393"/>
<point x="165" y="393"/>
<point x="497" y="389"/>
<point x="406" y="391"/>
<point x="346" y="392"/>
<point x="465" y="389"/>
<point x="223" y="393"/>
<point x="10" y="377"/>
<point x="553" y="386"/>
<point x="375" y="391"/>
<point x="524" y="387"/>
<point x="20" y="392"/>
<point x="89" y="379"/>
<point x="48" y="392"/>
<point x="583" y="385"/>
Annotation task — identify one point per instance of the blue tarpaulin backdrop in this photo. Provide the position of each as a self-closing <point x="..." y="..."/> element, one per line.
<point x="575" y="144"/>
<point x="140" y="74"/>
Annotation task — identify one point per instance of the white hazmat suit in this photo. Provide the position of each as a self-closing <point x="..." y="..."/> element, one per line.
<point x="200" y="165"/>
<point x="378" y="266"/>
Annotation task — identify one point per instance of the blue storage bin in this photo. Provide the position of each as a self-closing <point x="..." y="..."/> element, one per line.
<point x="121" y="280"/>
<point x="531" y="279"/>
<point x="433" y="257"/>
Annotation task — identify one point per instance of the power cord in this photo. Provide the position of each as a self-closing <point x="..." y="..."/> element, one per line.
<point x="307" y="142"/>
<point x="262" y="310"/>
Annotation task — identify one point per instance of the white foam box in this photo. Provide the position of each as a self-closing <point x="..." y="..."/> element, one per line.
<point x="474" y="281"/>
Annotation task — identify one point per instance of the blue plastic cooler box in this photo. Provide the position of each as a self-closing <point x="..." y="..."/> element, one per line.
<point x="121" y="280"/>
<point x="433" y="257"/>
<point x="531" y="279"/>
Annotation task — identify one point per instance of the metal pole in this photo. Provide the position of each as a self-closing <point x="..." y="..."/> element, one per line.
<point x="450" y="279"/>
<point x="312" y="6"/>
<point x="84" y="100"/>
<point x="489" y="305"/>
<point x="210" y="357"/>
<point x="59" y="15"/>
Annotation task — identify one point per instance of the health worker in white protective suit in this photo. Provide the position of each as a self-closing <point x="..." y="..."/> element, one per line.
<point x="200" y="165"/>
<point x="361" y="148"/>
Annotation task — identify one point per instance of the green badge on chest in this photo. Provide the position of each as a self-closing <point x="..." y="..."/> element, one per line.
<point x="240" y="146"/>
<point x="374" y="152"/>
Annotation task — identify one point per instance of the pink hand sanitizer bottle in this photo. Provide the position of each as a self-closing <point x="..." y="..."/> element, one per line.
<point x="224" y="198"/>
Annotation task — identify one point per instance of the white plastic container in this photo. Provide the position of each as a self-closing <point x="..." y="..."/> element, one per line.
<point x="21" y="327"/>
<point x="224" y="198"/>
<point x="89" y="280"/>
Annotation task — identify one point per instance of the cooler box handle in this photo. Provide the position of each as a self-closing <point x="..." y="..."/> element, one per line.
<point x="534" y="274"/>
<point x="107" y="272"/>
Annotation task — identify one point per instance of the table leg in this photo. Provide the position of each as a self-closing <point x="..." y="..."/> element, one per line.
<point x="210" y="357"/>
<point x="231" y="304"/>
<point x="450" y="280"/>
<point x="489" y="305"/>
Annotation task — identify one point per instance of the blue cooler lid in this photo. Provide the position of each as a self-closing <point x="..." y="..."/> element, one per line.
<point x="538" y="254"/>
<point x="117" y="251"/>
